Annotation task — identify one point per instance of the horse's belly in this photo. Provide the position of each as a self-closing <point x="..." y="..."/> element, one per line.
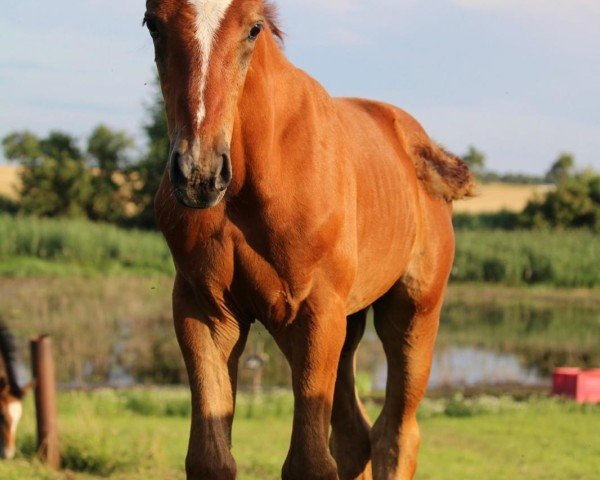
<point x="386" y="231"/>
<point x="377" y="272"/>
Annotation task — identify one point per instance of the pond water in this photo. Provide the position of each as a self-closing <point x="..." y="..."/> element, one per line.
<point x="482" y="342"/>
<point x="457" y="367"/>
<point x="487" y="338"/>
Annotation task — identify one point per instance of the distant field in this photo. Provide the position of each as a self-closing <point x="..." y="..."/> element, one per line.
<point x="491" y="198"/>
<point x="9" y="180"/>
<point x="495" y="197"/>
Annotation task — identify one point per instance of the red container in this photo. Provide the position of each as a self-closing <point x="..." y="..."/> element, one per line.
<point x="581" y="385"/>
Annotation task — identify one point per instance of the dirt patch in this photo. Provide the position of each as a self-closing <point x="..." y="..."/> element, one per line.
<point x="495" y="197"/>
<point x="9" y="181"/>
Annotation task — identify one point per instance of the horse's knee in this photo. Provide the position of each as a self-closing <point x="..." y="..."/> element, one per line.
<point x="206" y="470"/>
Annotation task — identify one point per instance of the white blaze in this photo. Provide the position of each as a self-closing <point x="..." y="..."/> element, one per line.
<point x="209" y="15"/>
<point x="15" y="410"/>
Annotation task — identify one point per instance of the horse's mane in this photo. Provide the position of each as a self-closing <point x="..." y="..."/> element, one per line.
<point x="7" y="352"/>
<point x="272" y="17"/>
<point x="444" y="174"/>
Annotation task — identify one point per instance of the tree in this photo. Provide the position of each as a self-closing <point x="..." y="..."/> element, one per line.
<point x="109" y="149"/>
<point x="575" y="203"/>
<point x="561" y="169"/>
<point x="55" y="180"/>
<point x="108" y="155"/>
<point x="475" y="159"/>
<point x="152" y="166"/>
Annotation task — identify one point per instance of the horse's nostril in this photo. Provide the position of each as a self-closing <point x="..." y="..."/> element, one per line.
<point x="224" y="176"/>
<point x="176" y="175"/>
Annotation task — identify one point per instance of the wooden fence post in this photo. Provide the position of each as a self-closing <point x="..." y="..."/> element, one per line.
<point x="42" y="364"/>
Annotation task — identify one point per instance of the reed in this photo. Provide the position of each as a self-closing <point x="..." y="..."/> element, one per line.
<point x="33" y="246"/>
<point x="61" y="247"/>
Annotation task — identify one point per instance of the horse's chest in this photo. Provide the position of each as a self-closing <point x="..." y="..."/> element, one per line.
<point x="247" y="277"/>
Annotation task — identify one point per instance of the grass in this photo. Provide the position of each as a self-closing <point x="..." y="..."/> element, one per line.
<point x="42" y="247"/>
<point x="143" y="434"/>
<point x="33" y="246"/>
<point x="561" y="259"/>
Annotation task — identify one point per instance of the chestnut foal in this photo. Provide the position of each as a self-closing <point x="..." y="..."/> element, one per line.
<point x="282" y="204"/>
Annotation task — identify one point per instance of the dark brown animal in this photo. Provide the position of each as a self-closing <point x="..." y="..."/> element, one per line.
<point x="11" y="395"/>
<point x="282" y="204"/>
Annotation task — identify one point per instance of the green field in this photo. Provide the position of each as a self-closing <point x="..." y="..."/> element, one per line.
<point x="33" y="247"/>
<point x="519" y="258"/>
<point x="143" y="434"/>
<point x="88" y="277"/>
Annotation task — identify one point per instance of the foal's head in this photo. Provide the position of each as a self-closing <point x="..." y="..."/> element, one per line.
<point x="11" y="408"/>
<point x="11" y="394"/>
<point x="203" y="49"/>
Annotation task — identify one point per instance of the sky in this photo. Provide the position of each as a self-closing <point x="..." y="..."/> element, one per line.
<point x="518" y="79"/>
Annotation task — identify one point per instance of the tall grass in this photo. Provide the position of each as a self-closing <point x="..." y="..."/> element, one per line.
<point x="29" y="245"/>
<point x="561" y="258"/>
<point x="32" y="246"/>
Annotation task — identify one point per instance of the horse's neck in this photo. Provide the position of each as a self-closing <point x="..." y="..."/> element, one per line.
<point x="274" y="96"/>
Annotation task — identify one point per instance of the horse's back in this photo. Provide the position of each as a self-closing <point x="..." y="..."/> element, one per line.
<point x="382" y="125"/>
<point x="405" y="185"/>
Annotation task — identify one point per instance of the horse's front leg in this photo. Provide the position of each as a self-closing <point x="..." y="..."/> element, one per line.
<point x="211" y="349"/>
<point x="312" y="345"/>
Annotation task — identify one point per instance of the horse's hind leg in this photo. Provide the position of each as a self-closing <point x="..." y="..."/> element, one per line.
<point x="350" y="444"/>
<point x="408" y="328"/>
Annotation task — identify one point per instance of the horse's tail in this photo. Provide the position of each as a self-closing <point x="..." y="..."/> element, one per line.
<point x="8" y="352"/>
<point x="444" y="175"/>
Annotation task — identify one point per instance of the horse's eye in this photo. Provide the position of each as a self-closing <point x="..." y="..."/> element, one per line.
<point x="255" y="31"/>
<point x="152" y="27"/>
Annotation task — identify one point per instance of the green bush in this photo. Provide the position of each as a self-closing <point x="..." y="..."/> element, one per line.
<point x="494" y="270"/>
<point x="503" y="220"/>
<point x="8" y="206"/>
<point x="574" y="204"/>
